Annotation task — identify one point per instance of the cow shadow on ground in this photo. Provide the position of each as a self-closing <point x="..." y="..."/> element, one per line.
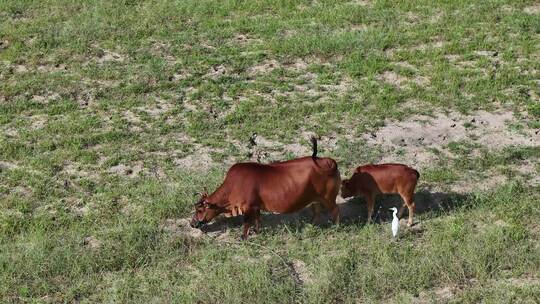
<point x="353" y="211"/>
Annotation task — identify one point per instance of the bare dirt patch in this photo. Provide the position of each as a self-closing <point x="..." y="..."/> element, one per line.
<point x="493" y="180"/>
<point x="200" y="160"/>
<point x="528" y="169"/>
<point x="393" y="78"/>
<point x="298" y="65"/>
<point x="12" y="132"/>
<point x="46" y="97"/>
<point x="132" y="171"/>
<point x="429" y="46"/>
<point x="435" y="18"/>
<point x="486" y="53"/>
<point x="405" y="64"/>
<point x="264" y="67"/>
<point x="74" y="169"/>
<point x="358" y="27"/>
<point x="49" y="68"/>
<point x="243" y="39"/>
<point x="105" y="56"/>
<point x="38" y="121"/>
<point x="79" y="209"/>
<point x="181" y="227"/>
<point x="411" y="18"/>
<point x="305" y="83"/>
<point x="4" y="165"/>
<point x="443" y="294"/>
<point x="4" y="44"/>
<point x="217" y="71"/>
<point x="92" y="242"/>
<point x="415" y="138"/>
<point x="131" y="117"/>
<point x="264" y="150"/>
<point x="179" y="75"/>
<point x="533" y="9"/>
<point x="163" y="50"/>
<point x="521" y="282"/>
<point x="85" y="98"/>
<point x="156" y="109"/>
<point x="466" y="64"/>
<point x="20" y="68"/>
<point x="402" y="82"/>
<point x="301" y="270"/>
<point x="436" y="44"/>
<point x="361" y="2"/>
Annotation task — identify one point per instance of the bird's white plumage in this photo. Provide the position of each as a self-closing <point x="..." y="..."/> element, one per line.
<point x="395" y="222"/>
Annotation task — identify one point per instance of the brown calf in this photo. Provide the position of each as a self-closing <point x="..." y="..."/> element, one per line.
<point x="281" y="187"/>
<point x="370" y="180"/>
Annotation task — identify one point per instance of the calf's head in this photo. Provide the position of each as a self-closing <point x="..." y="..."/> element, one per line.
<point x="347" y="188"/>
<point x="204" y="211"/>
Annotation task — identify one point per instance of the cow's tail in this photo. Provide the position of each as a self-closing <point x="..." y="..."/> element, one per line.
<point x="324" y="165"/>
<point x="417" y="174"/>
<point x="314" y="146"/>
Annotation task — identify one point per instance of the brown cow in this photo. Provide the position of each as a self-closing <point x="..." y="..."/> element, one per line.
<point x="370" y="180"/>
<point x="281" y="187"/>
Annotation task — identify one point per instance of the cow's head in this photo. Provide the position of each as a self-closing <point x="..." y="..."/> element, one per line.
<point x="347" y="188"/>
<point x="204" y="211"/>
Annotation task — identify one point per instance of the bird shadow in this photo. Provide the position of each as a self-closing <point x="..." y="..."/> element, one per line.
<point x="353" y="211"/>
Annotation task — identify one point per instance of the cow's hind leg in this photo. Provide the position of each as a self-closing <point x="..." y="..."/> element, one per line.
<point x="248" y="220"/>
<point x="257" y="221"/>
<point x="401" y="209"/>
<point x="316" y="208"/>
<point x="335" y="214"/>
<point x="329" y="203"/>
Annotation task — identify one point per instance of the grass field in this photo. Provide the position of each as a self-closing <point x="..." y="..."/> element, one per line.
<point x="113" y="113"/>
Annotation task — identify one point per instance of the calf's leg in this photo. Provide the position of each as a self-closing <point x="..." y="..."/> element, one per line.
<point x="412" y="208"/>
<point x="408" y="199"/>
<point x="370" y="200"/>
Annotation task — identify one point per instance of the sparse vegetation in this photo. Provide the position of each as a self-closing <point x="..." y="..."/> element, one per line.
<point x="113" y="113"/>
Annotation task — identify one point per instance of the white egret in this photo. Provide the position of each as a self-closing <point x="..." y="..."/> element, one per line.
<point x="395" y="222"/>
